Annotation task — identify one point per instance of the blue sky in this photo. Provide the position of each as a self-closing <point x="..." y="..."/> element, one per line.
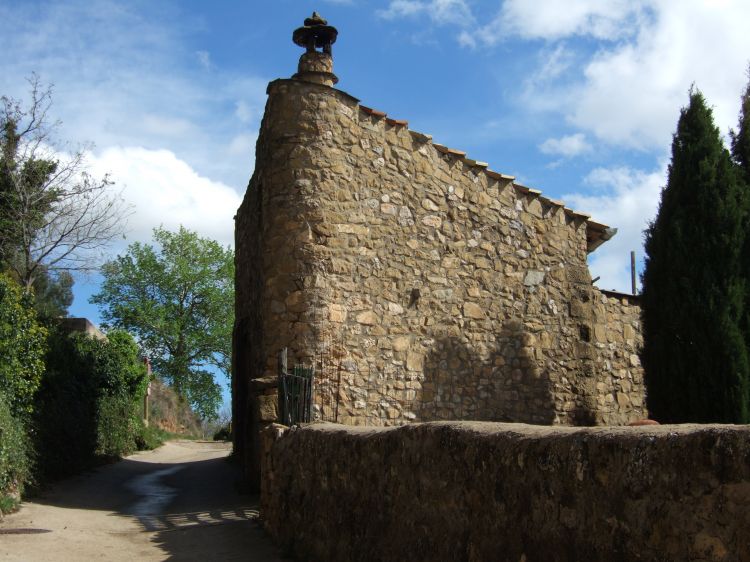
<point x="577" y="98"/>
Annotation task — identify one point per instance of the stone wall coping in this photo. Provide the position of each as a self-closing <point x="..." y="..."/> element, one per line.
<point x="620" y="295"/>
<point x="522" y="430"/>
<point x="373" y="112"/>
<point x="397" y="122"/>
<point x="498" y="176"/>
<point x="595" y="232"/>
<point x="477" y="163"/>
<point x="574" y="213"/>
<point x="553" y="202"/>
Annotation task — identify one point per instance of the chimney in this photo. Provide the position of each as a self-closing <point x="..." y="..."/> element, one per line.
<point x="316" y="66"/>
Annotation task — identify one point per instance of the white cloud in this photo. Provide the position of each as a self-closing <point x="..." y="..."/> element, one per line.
<point x="554" y="63"/>
<point x="401" y="8"/>
<point x="244" y="112"/>
<point x="204" y="59"/>
<point x="567" y="146"/>
<point x="243" y="144"/>
<point x="552" y="19"/>
<point x="120" y="80"/>
<point x="626" y="199"/>
<point x="165" y="190"/>
<point x="629" y="92"/>
<point x="160" y="126"/>
<point x="440" y="12"/>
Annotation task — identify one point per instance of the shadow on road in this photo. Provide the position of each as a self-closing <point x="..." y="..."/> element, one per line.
<point x="188" y="509"/>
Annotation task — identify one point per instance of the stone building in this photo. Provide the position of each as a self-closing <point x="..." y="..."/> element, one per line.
<point x="421" y="284"/>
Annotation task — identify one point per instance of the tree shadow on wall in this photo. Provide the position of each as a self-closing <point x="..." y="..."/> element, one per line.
<point x="507" y="386"/>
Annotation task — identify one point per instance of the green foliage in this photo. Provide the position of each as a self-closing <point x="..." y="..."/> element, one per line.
<point x="54" y="216"/>
<point x="178" y="298"/>
<point x="22" y="347"/>
<point x="8" y="503"/>
<point x="224" y="433"/>
<point x="741" y="156"/>
<point x="14" y="456"/>
<point x="53" y="294"/>
<point x="694" y="356"/>
<point x="23" y="191"/>
<point x="90" y="401"/>
<point x="118" y="426"/>
<point x="151" y="438"/>
<point x="741" y="137"/>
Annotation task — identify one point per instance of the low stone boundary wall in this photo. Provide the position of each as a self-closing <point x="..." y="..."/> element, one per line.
<point x="451" y="491"/>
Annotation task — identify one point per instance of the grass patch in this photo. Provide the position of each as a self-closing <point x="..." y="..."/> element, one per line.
<point x="8" y="504"/>
<point x="153" y="437"/>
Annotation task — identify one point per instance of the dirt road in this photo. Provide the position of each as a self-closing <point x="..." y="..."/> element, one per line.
<point x="175" y="503"/>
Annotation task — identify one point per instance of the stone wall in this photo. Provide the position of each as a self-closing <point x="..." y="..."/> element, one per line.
<point x="420" y="284"/>
<point x="486" y="491"/>
<point x="620" y="389"/>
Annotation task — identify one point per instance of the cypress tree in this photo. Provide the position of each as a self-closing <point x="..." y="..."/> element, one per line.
<point x="741" y="156"/>
<point x="741" y="137"/>
<point x="694" y="355"/>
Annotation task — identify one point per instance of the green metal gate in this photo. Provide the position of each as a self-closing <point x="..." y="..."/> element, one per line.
<point x="295" y="392"/>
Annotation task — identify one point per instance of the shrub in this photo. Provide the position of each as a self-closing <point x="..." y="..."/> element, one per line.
<point x="14" y="459"/>
<point x="224" y="433"/>
<point x="22" y="347"/>
<point x="90" y="401"/>
<point x="118" y="426"/>
<point x="151" y="437"/>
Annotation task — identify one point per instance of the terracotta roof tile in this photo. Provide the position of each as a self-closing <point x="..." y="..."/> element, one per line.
<point x="371" y="111"/>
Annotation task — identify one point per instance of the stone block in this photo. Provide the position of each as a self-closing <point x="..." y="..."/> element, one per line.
<point x="368" y="318"/>
<point x="267" y="407"/>
<point x="337" y="313"/>
<point x="533" y="277"/>
<point x="414" y="361"/>
<point x="473" y="310"/>
<point x="432" y="220"/>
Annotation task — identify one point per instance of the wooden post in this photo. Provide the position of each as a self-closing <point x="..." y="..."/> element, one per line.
<point x="148" y="391"/>
<point x="632" y="271"/>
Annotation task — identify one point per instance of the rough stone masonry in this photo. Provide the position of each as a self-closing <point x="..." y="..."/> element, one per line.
<point x="478" y="491"/>
<point x="418" y="282"/>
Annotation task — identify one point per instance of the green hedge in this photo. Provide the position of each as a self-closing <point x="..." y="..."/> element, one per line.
<point x="14" y="457"/>
<point x="89" y="402"/>
<point x="22" y="346"/>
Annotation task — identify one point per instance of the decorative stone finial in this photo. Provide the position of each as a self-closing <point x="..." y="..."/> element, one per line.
<point x="316" y="66"/>
<point x="316" y="33"/>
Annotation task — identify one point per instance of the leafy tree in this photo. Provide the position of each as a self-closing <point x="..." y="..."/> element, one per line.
<point x="694" y="355"/>
<point x="54" y="216"/>
<point x="178" y="299"/>
<point x="53" y="294"/>
<point x="22" y="347"/>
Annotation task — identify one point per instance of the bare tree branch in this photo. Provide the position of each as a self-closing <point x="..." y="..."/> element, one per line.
<point x="54" y="214"/>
